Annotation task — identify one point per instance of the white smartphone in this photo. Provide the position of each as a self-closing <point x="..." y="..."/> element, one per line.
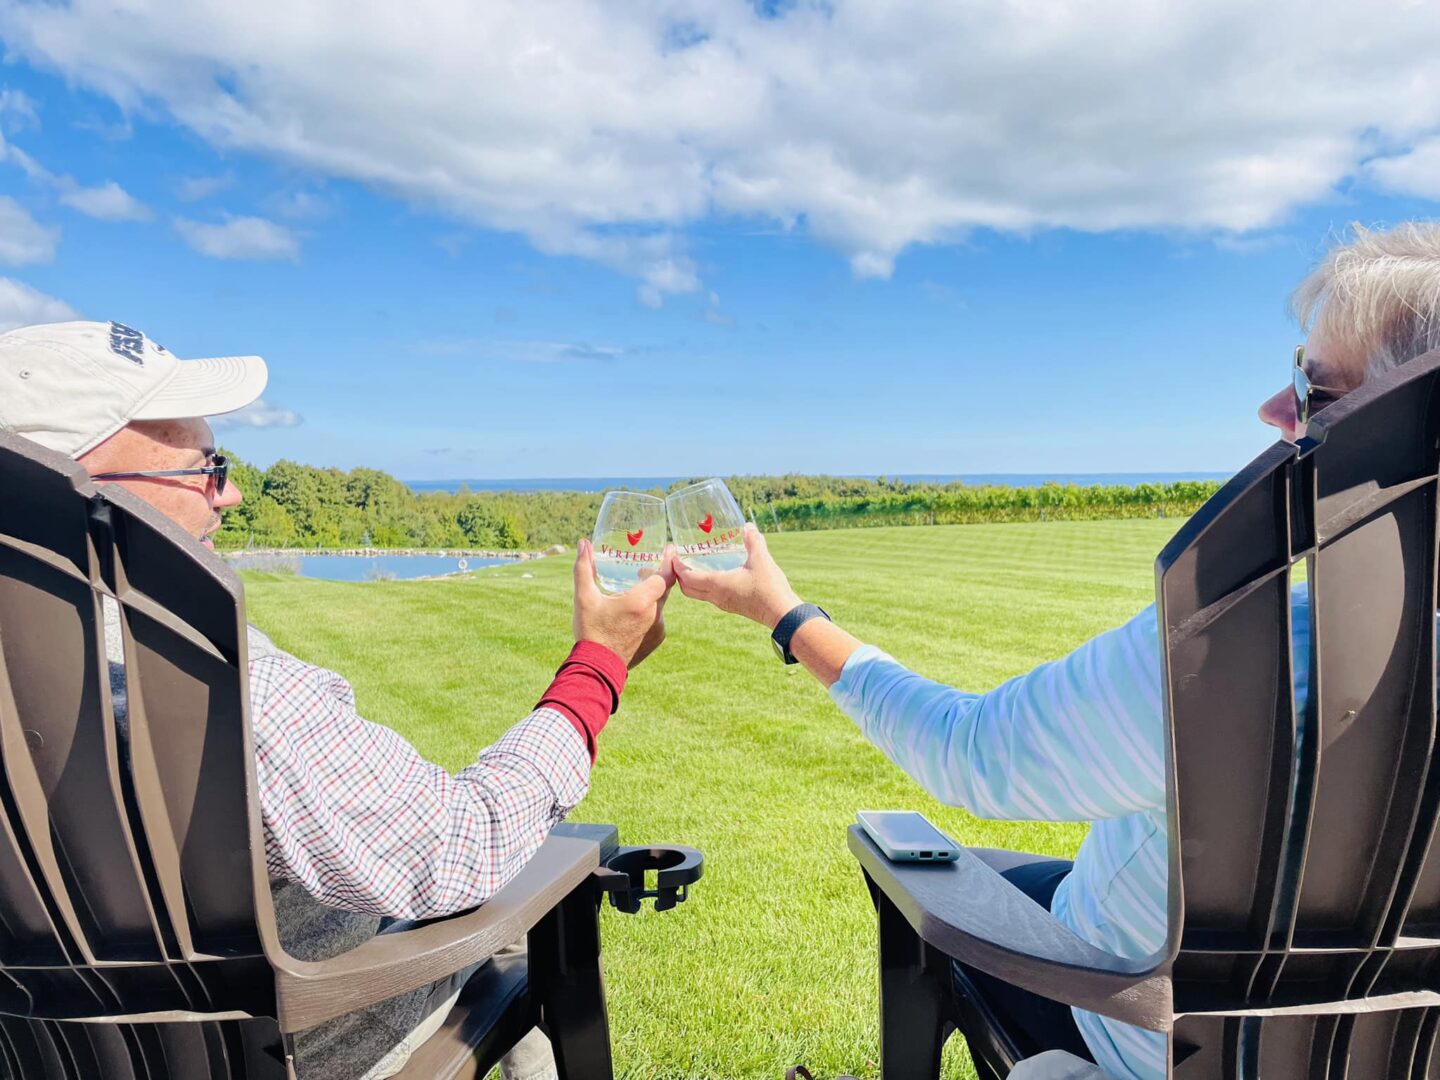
<point x="905" y="836"/>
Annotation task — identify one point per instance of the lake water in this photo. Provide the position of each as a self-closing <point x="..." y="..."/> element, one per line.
<point x="364" y="567"/>
<point x="647" y="483"/>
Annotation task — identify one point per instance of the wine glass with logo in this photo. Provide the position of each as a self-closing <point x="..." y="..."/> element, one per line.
<point x="629" y="537"/>
<point x="707" y="526"/>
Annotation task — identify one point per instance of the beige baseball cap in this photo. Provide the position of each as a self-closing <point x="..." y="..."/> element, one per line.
<point x="70" y="386"/>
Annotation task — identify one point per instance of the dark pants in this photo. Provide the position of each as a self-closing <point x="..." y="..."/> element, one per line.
<point x="1036" y="1023"/>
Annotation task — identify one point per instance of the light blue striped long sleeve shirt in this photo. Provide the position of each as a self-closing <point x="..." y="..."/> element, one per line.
<point x="1079" y="739"/>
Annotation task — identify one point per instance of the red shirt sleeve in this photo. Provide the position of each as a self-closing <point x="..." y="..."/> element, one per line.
<point x="587" y="689"/>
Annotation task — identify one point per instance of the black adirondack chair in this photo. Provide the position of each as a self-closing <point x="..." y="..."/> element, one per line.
<point x="1304" y="895"/>
<point x="137" y="933"/>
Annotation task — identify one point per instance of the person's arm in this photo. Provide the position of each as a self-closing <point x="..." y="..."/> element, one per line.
<point x="1078" y="739"/>
<point x="760" y="591"/>
<point x="612" y="635"/>
<point x="363" y="822"/>
<point x="823" y="648"/>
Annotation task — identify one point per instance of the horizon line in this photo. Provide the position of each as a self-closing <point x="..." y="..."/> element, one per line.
<point x="1183" y="473"/>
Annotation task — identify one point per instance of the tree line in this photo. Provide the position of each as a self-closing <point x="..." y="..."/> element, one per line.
<point x="290" y="505"/>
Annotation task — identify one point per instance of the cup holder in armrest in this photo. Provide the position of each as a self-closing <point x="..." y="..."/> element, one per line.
<point x="675" y="868"/>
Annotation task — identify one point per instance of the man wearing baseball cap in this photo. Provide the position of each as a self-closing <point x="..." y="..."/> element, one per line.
<point x="359" y="827"/>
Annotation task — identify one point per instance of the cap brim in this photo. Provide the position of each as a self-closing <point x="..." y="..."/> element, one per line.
<point x="210" y="387"/>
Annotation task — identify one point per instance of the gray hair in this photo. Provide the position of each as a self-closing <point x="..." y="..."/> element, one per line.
<point x="1378" y="294"/>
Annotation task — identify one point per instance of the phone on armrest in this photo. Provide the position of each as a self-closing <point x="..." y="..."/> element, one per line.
<point x="905" y="836"/>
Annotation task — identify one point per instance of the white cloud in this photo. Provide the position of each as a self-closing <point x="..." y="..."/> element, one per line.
<point x="259" y="414"/>
<point x="453" y="243"/>
<point x="714" y="314"/>
<point x="107" y="201"/>
<point x="942" y="294"/>
<point x="299" y="205"/>
<point x="240" y="238"/>
<point x="20" y="305"/>
<point x="17" y="110"/>
<point x="32" y="169"/>
<point x="24" y="240"/>
<point x="583" y="351"/>
<point x="869" y="125"/>
<point x="1413" y="172"/>
<point x="196" y="188"/>
<point x="110" y="130"/>
<point x="524" y="352"/>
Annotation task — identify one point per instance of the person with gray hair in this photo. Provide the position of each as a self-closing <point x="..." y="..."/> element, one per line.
<point x="1377" y="295"/>
<point x="1372" y="304"/>
<point x="1082" y="738"/>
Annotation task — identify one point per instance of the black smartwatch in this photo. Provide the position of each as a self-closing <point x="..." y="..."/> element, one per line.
<point x="785" y="629"/>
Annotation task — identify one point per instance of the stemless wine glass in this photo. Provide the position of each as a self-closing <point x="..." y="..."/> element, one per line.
<point x="629" y="537"/>
<point x="707" y="526"/>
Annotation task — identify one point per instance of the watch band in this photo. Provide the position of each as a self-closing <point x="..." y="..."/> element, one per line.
<point x="791" y="621"/>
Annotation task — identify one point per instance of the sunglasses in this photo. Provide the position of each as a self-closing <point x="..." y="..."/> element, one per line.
<point x="1310" y="397"/>
<point x="219" y="468"/>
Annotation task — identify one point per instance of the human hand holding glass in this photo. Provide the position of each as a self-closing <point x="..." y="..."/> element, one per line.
<point x="758" y="590"/>
<point x="631" y="624"/>
<point x="629" y="540"/>
<point x="707" y="526"/>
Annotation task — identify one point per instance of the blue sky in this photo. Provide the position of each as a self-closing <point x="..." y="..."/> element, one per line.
<point x="686" y="279"/>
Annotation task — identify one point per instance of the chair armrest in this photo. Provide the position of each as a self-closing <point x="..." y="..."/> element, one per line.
<point x="390" y="964"/>
<point x="967" y="911"/>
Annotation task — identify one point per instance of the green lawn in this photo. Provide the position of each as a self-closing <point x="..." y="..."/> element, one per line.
<point x="772" y="961"/>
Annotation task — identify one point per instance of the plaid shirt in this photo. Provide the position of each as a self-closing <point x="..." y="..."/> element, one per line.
<point x="362" y="822"/>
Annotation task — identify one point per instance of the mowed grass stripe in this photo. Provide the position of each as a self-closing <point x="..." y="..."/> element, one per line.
<point x="772" y="960"/>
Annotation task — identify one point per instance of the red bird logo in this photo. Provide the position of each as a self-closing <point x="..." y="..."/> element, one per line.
<point x="707" y="523"/>
<point x="634" y="537"/>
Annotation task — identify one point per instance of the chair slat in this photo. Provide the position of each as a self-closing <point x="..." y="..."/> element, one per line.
<point x="1376" y="1041"/>
<point x="28" y="933"/>
<point x="52" y="515"/>
<point x="110" y="1049"/>
<point x="61" y="760"/>
<point x="190" y="757"/>
<point x="73" y="1049"/>
<point x="186" y="1051"/>
<point x="1287" y="1044"/>
<point x="1374" y="624"/>
<point x="147" y="1051"/>
<point x="1427" y="1062"/>
<point x="30" y="1045"/>
<point x="1229" y="687"/>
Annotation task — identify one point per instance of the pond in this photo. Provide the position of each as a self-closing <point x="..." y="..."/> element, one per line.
<point x="363" y="567"/>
